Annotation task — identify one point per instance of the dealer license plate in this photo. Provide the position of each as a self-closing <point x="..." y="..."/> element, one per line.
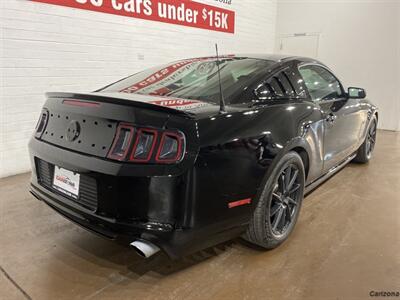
<point x="67" y="182"/>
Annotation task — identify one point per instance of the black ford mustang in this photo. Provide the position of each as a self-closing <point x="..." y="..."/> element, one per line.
<point x="182" y="157"/>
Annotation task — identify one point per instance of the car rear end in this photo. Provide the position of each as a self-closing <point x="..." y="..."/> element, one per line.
<point x="117" y="167"/>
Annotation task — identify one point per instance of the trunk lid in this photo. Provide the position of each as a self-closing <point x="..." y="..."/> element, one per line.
<point x="87" y="123"/>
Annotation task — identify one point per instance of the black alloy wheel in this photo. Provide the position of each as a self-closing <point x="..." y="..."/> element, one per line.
<point x="371" y="139"/>
<point x="285" y="200"/>
<point x="278" y="204"/>
<point x="364" y="153"/>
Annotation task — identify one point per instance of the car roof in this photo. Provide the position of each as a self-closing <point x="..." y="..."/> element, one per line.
<point x="278" y="58"/>
<point x="271" y="57"/>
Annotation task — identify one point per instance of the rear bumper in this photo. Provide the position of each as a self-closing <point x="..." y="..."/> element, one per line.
<point x="135" y="203"/>
<point x="127" y="208"/>
<point x="174" y="242"/>
<point x="107" y="227"/>
<point x="160" y="234"/>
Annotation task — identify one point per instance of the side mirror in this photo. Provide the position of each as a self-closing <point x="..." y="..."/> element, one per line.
<point x="356" y="93"/>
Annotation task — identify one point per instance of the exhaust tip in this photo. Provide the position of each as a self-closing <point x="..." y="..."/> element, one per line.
<point x="144" y="248"/>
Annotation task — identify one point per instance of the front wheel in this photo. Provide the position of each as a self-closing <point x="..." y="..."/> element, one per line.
<point x="364" y="153"/>
<point x="279" y="204"/>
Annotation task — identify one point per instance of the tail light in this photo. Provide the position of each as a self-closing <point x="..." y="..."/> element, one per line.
<point x="122" y="142"/>
<point x="144" y="145"/>
<point x="171" y="147"/>
<point x="147" y="145"/>
<point x="41" y="124"/>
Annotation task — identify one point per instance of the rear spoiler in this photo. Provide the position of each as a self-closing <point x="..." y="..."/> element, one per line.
<point x="118" y="98"/>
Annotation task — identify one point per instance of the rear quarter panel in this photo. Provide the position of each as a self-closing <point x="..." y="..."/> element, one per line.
<point x="237" y="151"/>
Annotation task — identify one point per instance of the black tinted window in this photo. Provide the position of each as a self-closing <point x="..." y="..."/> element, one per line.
<point x="321" y="84"/>
<point x="287" y="86"/>
<point x="277" y="89"/>
<point x="278" y="86"/>
<point x="296" y="83"/>
<point x="197" y="79"/>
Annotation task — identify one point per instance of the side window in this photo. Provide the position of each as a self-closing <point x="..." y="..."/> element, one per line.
<point x="321" y="84"/>
<point x="277" y="87"/>
<point x="296" y="82"/>
<point x="287" y="86"/>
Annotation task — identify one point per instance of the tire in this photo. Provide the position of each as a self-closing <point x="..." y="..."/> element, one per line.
<point x="364" y="153"/>
<point x="264" y="229"/>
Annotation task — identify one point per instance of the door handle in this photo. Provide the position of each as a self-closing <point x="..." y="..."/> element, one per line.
<point x="331" y="118"/>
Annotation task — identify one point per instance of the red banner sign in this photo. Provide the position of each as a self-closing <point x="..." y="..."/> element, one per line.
<point x="185" y="13"/>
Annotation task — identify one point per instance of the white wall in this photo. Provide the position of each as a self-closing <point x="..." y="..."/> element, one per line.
<point x="50" y="48"/>
<point x="398" y="63"/>
<point x="359" y="40"/>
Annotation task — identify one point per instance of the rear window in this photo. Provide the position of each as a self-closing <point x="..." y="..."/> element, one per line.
<point x="197" y="79"/>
